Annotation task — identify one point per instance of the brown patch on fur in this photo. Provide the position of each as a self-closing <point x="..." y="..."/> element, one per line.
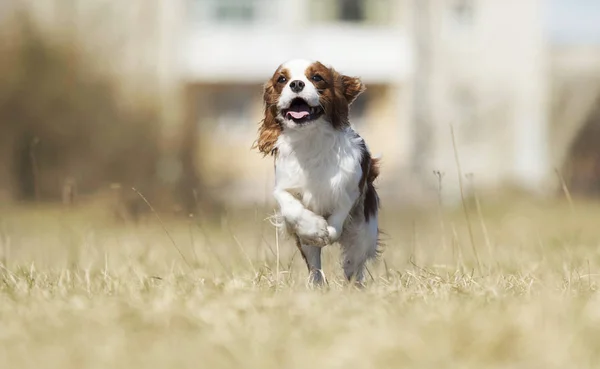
<point x="370" y="172"/>
<point x="270" y="129"/>
<point x="352" y="88"/>
<point x="337" y="92"/>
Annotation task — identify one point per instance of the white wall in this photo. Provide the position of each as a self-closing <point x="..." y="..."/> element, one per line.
<point x="249" y="55"/>
<point x="489" y="82"/>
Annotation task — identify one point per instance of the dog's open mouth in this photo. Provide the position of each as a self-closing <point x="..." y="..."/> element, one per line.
<point x="300" y="112"/>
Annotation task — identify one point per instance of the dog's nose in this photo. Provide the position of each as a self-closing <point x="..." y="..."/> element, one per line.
<point x="297" y="86"/>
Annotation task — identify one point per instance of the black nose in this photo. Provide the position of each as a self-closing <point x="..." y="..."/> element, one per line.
<point x="297" y="86"/>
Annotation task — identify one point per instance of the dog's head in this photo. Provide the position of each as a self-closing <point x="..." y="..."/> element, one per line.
<point x="301" y="94"/>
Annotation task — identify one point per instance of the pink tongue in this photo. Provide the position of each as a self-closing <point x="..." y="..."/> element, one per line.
<point x="298" y="114"/>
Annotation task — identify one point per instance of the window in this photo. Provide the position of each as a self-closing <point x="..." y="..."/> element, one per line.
<point x="224" y="11"/>
<point x="228" y="109"/>
<point x="351" y="10"/>
<point x="234" y="10"/>
<point x="378" y="12"/>
<point x="231" y="106"/>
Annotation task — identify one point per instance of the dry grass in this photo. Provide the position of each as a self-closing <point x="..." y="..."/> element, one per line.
<point x="78" y="291"/>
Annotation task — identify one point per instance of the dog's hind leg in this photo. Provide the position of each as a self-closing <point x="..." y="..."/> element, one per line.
<point x="359" y="244"/>
<point x="312" y="257"/>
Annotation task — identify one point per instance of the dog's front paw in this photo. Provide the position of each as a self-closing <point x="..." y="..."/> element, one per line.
<point x="333" y="234"/>
<point x="312" y="230"/>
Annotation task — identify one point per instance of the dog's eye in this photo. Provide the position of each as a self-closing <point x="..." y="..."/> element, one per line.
<point x="317" y="78"/>
<point x="281" y="79"/>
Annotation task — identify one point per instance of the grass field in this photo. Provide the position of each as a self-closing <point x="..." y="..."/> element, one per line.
<point x="82" y="291"/>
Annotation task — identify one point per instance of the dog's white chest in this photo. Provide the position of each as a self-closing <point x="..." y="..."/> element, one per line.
<point x="320" y="169"/>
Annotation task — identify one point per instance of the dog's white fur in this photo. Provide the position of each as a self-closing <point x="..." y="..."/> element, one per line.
<point x="317" y="176"/>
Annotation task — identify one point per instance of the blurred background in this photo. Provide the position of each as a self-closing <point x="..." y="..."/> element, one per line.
<point x="99" y="96"/>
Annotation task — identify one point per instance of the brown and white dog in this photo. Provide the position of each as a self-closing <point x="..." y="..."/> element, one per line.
<point x="324" y="172"/>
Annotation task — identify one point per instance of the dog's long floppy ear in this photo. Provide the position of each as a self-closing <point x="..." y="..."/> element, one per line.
<point x="353" y="87"/>
<point x="346" y="90"/>
<point x="269" y="129"/>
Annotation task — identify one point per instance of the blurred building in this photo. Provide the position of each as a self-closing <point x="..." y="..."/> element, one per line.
<point x="486" y="68"/>
<point x="517" y="89"/>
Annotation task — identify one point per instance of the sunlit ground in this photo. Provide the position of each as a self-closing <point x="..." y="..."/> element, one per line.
<point x="85" y="291"/>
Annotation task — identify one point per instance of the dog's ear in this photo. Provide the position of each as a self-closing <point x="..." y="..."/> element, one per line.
<point x="352" y="87"/>
<point x="344" y="88"/>
<point x="269" y="129"/>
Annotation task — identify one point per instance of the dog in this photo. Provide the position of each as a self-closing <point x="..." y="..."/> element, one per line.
<point x="324" y="172"/>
